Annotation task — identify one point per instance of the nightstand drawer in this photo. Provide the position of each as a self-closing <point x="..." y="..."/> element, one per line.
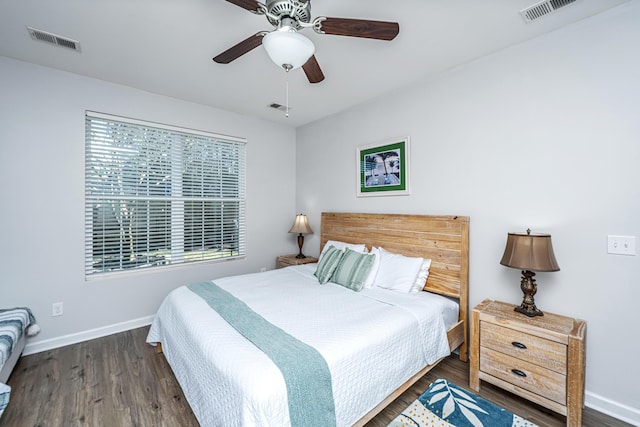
<point x="540" y="351"/>
<point x="528" y="376"/>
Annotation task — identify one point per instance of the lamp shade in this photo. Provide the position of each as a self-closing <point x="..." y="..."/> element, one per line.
<point x="288" y="49"/>
<point x="301" y="225"/>
<point x="527" y="251"/>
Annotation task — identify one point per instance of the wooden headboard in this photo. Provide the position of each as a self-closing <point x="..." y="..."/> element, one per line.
<point x="443" y="239"/>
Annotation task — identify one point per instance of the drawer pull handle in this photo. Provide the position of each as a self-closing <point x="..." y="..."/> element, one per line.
<point x="519" y="345"/>
<point x="519" y="373"/>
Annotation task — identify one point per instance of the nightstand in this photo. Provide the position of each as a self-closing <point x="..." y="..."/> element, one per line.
<point x="287" y="260"/>
<point x="539" y="358"/>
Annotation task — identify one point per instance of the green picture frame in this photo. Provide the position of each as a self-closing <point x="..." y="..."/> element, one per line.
<point x="383" y="168"/>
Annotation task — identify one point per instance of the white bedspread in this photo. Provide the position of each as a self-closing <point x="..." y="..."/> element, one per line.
<point x="373" y="341"/>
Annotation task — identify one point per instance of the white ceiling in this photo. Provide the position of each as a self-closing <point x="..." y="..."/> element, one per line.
<point x="166" y="47"/>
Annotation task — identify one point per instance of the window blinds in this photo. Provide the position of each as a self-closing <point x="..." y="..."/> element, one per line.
<point x="160" y="195"/>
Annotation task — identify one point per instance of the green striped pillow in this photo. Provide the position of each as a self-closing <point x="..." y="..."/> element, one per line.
<point x="353" y="270"/>
<point x="328" y="264"/>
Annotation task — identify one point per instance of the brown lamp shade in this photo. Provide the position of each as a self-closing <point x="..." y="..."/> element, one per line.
<point x="527" y="251"/>
<point x="301" y="225"/>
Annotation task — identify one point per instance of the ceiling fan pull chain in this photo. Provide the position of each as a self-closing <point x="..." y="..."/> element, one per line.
<point x="287" y="90"/>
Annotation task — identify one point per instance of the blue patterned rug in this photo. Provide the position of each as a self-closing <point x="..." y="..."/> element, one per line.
<point x="446" y="404"/>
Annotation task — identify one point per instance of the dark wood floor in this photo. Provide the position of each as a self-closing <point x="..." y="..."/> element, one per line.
<point x="119" y="380"/>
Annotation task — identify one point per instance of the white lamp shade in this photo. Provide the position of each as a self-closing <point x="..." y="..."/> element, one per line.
<point x="301" y="225"/>
<point x="288" y="48"/>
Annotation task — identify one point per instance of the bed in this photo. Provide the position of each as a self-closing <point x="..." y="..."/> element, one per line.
<point x="373" y="342"/>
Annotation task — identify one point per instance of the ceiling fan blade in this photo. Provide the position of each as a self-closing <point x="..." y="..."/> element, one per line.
<point x="250" y="5"/>
<point x="312" y="70"/>
<point x="240" y="49"/>
<point x="380" y="30"/>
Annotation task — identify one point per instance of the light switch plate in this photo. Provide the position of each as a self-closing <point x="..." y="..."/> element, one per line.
<point x="621" y="245"/>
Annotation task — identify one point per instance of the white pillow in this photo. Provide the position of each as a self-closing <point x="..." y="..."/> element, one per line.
<point x="423" y="275"/>
<point x="341" y="246"/>
<point x="397" y="272"/>
<point x="368" y="283"/>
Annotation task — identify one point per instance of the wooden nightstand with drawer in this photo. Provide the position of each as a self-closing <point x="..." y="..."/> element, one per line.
<point x="539" y="358"/>
<point x="288" y="260"/>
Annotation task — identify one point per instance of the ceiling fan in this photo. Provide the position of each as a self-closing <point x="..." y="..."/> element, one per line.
<point x="290" y="49"/>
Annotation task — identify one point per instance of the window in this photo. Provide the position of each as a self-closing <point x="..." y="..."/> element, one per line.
<point x="160" y="195"/>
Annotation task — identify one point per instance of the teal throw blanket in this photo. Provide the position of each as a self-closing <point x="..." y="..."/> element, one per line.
<point x="306" y="373"/>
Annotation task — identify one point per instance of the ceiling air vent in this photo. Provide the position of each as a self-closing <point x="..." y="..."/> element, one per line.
<point x="279" y="107"/>
<point x="54" y="39"/>
<point x="543" y="8"/>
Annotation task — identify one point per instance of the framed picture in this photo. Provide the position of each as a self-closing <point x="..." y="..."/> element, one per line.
<point x="383" y="169"/>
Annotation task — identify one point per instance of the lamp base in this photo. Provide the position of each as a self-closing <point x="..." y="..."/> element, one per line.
<point x="529" y="289"/>
<point x="300" y="243"/>
<point x="530" y="311"/>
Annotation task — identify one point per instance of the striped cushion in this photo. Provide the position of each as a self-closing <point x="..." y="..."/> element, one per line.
<point x="353" y="270"/>
<point x="13" y="322"/>
<point x="5" y="392"/>
<point x="328" y="264"/>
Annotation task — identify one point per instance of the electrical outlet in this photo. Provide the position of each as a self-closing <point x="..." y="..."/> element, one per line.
<point x="57" y="309"/>
<point x="263" y="269"/>
<point x="621" y="245"/>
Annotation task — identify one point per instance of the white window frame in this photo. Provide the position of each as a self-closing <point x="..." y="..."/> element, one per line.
<point x="117" y="142"/>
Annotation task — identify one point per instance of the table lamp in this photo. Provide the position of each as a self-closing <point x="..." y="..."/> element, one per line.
<point x="300" y="226"/>
<point x="529" y="252"/>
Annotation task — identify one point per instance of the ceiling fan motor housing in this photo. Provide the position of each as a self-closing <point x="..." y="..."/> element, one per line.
<point x="298" y="11"/>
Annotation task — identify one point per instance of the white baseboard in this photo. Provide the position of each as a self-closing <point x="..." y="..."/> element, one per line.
<point x="617" y="410"/>
<point x="44" y="345"/>
<point x="592" y="400"/>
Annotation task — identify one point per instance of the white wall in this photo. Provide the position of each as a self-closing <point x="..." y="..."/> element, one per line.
<point x="543" y="135"/>
<point x="42" y="215"/>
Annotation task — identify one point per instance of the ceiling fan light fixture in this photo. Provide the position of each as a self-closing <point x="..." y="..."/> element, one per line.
<point x="288" y="49"/>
